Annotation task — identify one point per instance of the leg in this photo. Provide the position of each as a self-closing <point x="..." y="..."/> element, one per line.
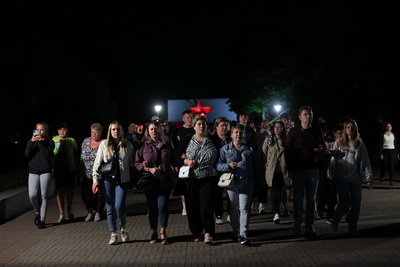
<point x="355" y="198"/>
<point x="44" y="185"/>
<point x="192" y="206"/>
<point x="109" y="190"/>
<point x="206" y="194"/>
<point x="312" y="179"/>
<point x="120" y="204"/>
<point x="233" y="195"/>
<point x="245" y="197"/>
<point x="343" y="206"/>
<point x="33" y="189"/>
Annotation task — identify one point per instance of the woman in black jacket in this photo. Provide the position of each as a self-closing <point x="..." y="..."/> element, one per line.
<point x="39" y="151"/>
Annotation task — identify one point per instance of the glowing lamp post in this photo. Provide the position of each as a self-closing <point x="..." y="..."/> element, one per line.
<point x="277" y="108"/>
<point x="158" y="109"/>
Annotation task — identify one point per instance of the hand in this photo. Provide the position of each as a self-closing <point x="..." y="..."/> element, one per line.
<point x="154" y="170"/>
<point x="95" y="188"/>
<point x="36" y="138"/>
<point x="145" y="163"/>
<point x="190" y="162"/>
<point x="233" y="165"/>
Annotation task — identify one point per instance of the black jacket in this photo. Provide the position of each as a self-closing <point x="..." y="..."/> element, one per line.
<point x="40" y="155"/>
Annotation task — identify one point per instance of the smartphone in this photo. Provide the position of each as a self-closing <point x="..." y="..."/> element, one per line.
<point x="35" y="132"/>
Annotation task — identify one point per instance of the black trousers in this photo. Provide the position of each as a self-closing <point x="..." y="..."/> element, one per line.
<point x="199" y="198"/>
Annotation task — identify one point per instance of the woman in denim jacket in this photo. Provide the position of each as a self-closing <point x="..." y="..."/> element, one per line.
<point x="236" y="157"/>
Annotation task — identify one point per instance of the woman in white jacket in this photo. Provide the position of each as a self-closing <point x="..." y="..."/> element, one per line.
<point x="115" y="185"/>
<point x="349" y="166"/>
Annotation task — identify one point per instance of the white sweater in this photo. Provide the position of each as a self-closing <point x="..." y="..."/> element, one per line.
<point x="350" y="164"/>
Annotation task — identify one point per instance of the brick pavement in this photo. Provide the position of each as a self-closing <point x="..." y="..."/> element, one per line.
<point x="82" y="243"/>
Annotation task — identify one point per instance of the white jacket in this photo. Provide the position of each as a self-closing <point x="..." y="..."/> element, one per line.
<point x="125" y="160"/>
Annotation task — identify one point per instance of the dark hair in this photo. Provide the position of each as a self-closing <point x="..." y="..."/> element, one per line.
<point x="305" y="107"/>
<point x="284" y="115"/>
<point x="188" y="111"/>
<point x="283" y="134"/>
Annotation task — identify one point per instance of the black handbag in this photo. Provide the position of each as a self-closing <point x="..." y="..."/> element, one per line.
<point x="146" y="180"/>
<point x="109" y="168"/>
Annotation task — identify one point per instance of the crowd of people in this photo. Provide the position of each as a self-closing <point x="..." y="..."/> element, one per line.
<point x="270" y="160"/>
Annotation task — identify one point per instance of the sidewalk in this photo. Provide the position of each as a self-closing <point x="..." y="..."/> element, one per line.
<point x="81" y="243"/>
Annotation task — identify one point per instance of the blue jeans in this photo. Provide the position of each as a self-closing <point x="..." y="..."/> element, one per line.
<point x="349" y="198"/>
<point x="305" y="180"/>
<point x="158" y="207"/>
<point x="240" y="199"/>
<point x="115" y="196"/>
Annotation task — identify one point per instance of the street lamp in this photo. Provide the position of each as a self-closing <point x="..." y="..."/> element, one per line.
<point x="277" y="108"/>
<point x="158" y="109"/>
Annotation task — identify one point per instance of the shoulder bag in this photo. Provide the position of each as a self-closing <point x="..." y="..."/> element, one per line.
<point x="227" y="180"/>
<point x="108" y="168"/>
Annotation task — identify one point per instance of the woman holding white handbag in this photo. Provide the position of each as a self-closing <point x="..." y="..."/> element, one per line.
<point x="237" y="158"/>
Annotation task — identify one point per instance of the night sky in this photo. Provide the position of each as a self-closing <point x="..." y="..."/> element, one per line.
<point x="151" y="51"/>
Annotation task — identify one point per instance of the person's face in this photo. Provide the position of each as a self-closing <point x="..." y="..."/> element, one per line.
<point x="153" y="132"/>
<point x="286" y="122"/>
<point x="243" y="119"/>
<point x="306" y="117"/>
<point x="41" y="130"/>
<point x="222" y="128"/>
<point x="388" y="127"/>
<point x="350" y="129"/>
<point x="63" y="132"/>
<point x="278" y="129"/>
<point x="337" y="134"/>
<point x="96" y="135"/>
<point x="187" y="119"/>
<point x="115" y="131"/>
<point x="237" y="135"/>
<point x="131" y="128"/>
<point x="200" y="127"/>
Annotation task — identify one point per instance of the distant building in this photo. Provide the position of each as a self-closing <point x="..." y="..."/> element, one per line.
<point x="219" y="108"/>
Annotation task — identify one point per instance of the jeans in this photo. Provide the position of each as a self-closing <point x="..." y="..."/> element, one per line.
<point x="39" y="184"/>
<point x="305" y="180"/>
<point x="240" y="199"/>
<point x="115" y="196"/>
<point x="158" y="207"/>
<point x="349" y="198"/>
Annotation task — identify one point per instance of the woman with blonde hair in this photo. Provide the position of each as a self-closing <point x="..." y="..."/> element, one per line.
<point x="349" y="166"/>
<point x="115" y="185"/>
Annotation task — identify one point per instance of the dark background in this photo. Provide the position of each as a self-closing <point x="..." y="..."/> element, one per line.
<point x="91" y="62"/>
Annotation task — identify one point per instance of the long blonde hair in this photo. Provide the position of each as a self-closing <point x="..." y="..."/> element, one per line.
<point x="109" y="152"/>
<point x="355" y="135"/>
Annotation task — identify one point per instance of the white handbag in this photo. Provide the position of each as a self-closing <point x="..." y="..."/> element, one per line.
<point x="226" y="180"/>
<point x="184" y="171"/>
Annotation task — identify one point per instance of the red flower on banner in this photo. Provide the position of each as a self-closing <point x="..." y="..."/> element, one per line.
<point x="200" y="110"/>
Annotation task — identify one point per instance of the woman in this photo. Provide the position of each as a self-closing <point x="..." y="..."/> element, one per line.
<point x="115" y="185"/>
<point x="388" y="152"/>
<point x="237" y="157"/>
<point x="199" y="153"/>
<point x="220" y="138"/>
<point x="65" y="166"/>
<point x="94" y="202"/>
<point x="276" y="173"/>
<point x="349" y="166"/>
<point x="39" y="151"/>
<point x="153" y="157"/>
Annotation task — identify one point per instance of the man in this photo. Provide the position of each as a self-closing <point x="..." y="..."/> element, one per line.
<point x="185" y="130"/>
<point x="303" y="144"/>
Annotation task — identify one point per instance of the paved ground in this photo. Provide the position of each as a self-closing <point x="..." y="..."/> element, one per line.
<point x="81" y="243"/>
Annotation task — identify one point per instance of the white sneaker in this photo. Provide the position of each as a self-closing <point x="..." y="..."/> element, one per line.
<point x="184" y="212"/>
<point x="228" y="218"/>
<point x="97" y="217"/>
<point x="261" y="208"/>
<point x="276" y="219"/>
<point x="89" y="217"/>
<point x="219" y="220"/>
<point x="61" y="218"/>
<point x="113" y="239"/>
<point x="124" y="235"/>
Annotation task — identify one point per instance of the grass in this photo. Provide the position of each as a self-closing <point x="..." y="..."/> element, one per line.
<point x="13" y="179"/>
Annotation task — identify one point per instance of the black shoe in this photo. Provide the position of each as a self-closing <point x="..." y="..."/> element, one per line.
<point x="245" y="241"/>
<point x="41" y="225"/>
<point x="235" y="238"/>
<point x="37" y="219"/>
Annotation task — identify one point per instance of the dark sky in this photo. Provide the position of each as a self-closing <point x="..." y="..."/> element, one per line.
<point x="152" y="51"/>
